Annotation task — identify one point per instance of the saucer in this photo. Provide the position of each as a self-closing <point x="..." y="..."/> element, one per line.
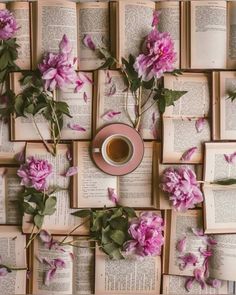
<point x="121" y="129"/>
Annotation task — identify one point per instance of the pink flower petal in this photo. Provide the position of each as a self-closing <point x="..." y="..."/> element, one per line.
<point x="20" y="157"/>
<point x="189" y="259"/>
<point x="65" y="46"/>
<point x="110" y="115"/>
<point x="50" y="274"/>
<point x="68" y="155"/>
<point x="71" y="171"/>
<point x="198" y="232"/>
<point x="231" y="159"/>
<point x="45" y="236"/>
<point x="214" y="283"/>
<point x="210" y="241"/>
<point x="205" y="252"/>
<point x="111" y="91"/>
<point x="200" y="123"/>
<point x="60" y="263"/>
<point x="188" y="154"/>
<point x="199" y="277"/>
<point x="108" y="77"/>
<point x="181" y="245"/>
<point x="88" y="42"/>
<point x="112" y="195"/>
<point x="3" y="271"/>
<point x="155" y="19"/>
<point x="189" y="283"/>
<point x="76" y="127"/>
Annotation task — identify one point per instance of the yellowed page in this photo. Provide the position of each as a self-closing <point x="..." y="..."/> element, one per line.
<point x="13" y="253"/>
<point x="61" y="222"/>
<point x="208" y="34"/>
<point x="139" y="276"/>
<point x="91" y="183"/>
<point x="231" y="34"/>
<point x="135" y="189"/>
<point x="222" y="265"/>
<point x="62" y="283"/>
<point x="21" y="11"/>
<point x="227" y="107"/>
<point x="216" y="166"/>
<point x="93" y="20"/>
<point x="170" y="22"/>
<point x="182" y="224"/>
<point x="80" y="110"/>
<point x="2" y="5"/>
<point x="176" y="285"/>
<point x="135" y="19"/>
<point x="51" y="24"/>
<point x="219" y="203"/>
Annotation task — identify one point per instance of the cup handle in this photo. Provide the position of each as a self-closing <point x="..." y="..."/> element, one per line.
<point x="96" y="150"/>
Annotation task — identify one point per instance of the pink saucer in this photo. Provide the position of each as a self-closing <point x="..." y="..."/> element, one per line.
<point x="122" y="129"/>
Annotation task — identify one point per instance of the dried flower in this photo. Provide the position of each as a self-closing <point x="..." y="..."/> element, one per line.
<point x="146" y="233"/>
<point x="112" y="195"/>
<point x="57" y="69"/>
<point x="182" y="186"/>
<point x="8" y="25"/>
<point x="34" y="173"/>
<point x="158" y="57"/>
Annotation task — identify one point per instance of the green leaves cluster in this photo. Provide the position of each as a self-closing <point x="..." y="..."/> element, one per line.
<point x="109" y="228"/>
<point x="38" y="204"/>
<point x="8" y="56"/>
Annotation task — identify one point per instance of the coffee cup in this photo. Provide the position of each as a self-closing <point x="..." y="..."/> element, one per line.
<point x="116" y="150"/>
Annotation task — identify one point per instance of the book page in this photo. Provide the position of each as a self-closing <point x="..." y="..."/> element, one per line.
<point x="135" y="188"/>
<point x="222" y="264"/>
<point x="61" y="222"/>
<point x="13" y="253"/>
<point x="93" y="20"/>
<point x="83" y="273"/>
<point x="231" y="35"/>
<point x="170" y="22"/>
<point x="179" y="136"/>
<point x="227" y="107"/>
<point x="208" y="34"/>
<point x="2" y="5"/>
<point x="52" y="23"/>
<point x="135" y="20"/>
<point x="220" y="206"/>
<point x="80" y="110"/>
<point x="216" y="167"/>
<point x="62" y="281"/>
<point x="22" y="15"/>
<point x="90" y="184"/>
<point x="182" y="224"/>
<point x="139" y="276"/>
<point x="176" y="285"/>
<point x="196" y="102"/>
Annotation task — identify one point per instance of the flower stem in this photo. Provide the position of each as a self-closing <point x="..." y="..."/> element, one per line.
<point x="148" y="108"/>
<point x="139" y="107"/>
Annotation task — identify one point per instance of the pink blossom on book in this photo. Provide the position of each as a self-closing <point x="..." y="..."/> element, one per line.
<point x="231" y="158"/>
<point x="110" y="115"/>
<point x="199" y="277"/>
<point x="112" y="195"/>
<point x="214" y="283"/>
<point x="71" y="171"/>
<point x="8" y="25"/>
<point x="88" y="42"/>
<point x="181" y="244"/>
<point x="189" y="259"/>
<point x="81" y="80"/>
<point x="76" y="127"/>
<point x="155" y="19"/>
<point x="187" y="156"/>
<point x="200" y="123"/>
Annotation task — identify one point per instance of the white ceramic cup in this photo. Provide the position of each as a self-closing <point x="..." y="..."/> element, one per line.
<point x="103" y="150"/>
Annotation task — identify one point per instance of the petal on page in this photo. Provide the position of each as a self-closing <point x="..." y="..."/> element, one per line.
<point x="110" y="115"/>
<point x="88" y="42"/>
<point x="71" y="171"/>
<point x="181" y="244"/>
<point x="189" y="283"/>
<point x="112" y="195"/>
<point x="188" y="154"/>
<point x="45" y="236"/>
<point x="214" y="283"/>
<point x="200" y="123"/>
<point x="231" y="158"/>
<point x="50" y="274"/>
<point x="68" y="155"/>
<point x="76" y="127"/>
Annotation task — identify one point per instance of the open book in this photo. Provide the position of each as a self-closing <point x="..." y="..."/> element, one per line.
<point x="111" y="95"/>
<point x="131" y="20"/>
<point x="219" y="211"/>
<point x="27" y="128"/>
<point x="224" y="110"/>
<point x="127" y="276"/>
<point x="76" y="278"/>
<point x="13" y="254"/>
<point x="52" y="19"/>
<point x="208" y="34"/>
<point x="61" y="222"/>
<point x="180" y="132"/>
<point x="90" y="185"/>
<point x="9" y="196"/>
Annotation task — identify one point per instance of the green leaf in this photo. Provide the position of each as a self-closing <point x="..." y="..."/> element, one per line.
<point x="119" y="223"/>
<point x="38" y="220"/>
<point x="130" y="212"/>
<point x="63" y="107"/>
<point x="50" y="206"/>
<point x="106" y="232"/>
<point x="118" y="236"/>
<point x="28" y="208"/>
<point x="29" y="109"/>
<point x="82" y="213"/>
<point x="229" y="181"/>
<point x="172" y="95"/>
<point x="148" y="84"/>
<point x="107" y="64"/>
<point x="161" y="104"/>
<point x="116" y="255"/>
<point x="19" y="105"/>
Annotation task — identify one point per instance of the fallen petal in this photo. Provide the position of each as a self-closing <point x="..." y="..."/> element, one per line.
<point x="189" y="283"/>
<point x="199" y="277"/>
<point x="45" y="236"/>
<point x="88" y="42"/>
<point x="198" y="232"/>
<point x="200" y="123"/>
<point x="188" y="154"/>
<point x="3" y="271"/>
<point x="58" y="262"/>
<point x="68" y="155"/>
<point x="231" y="159"/>
<point x="110" y="115"/>
<point x="112" y="90"/>
<point x="20" y="157"/>
<point x="71" y="171"/>
<point x="112" y="195"/>
<point x="214" y="283"/>
<point x="49" y="275"/>
<point x="181" y="245"/>
<point x="76" y="127"/>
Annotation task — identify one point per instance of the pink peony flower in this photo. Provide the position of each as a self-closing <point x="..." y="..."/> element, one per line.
<point x="146" y="234"/>
<point x="182" y="186"/>
<point x="34" y="173"/>
<point x="8" y="25"/>
<point x="57" y="69"/>
<point x="158" y="57"/>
